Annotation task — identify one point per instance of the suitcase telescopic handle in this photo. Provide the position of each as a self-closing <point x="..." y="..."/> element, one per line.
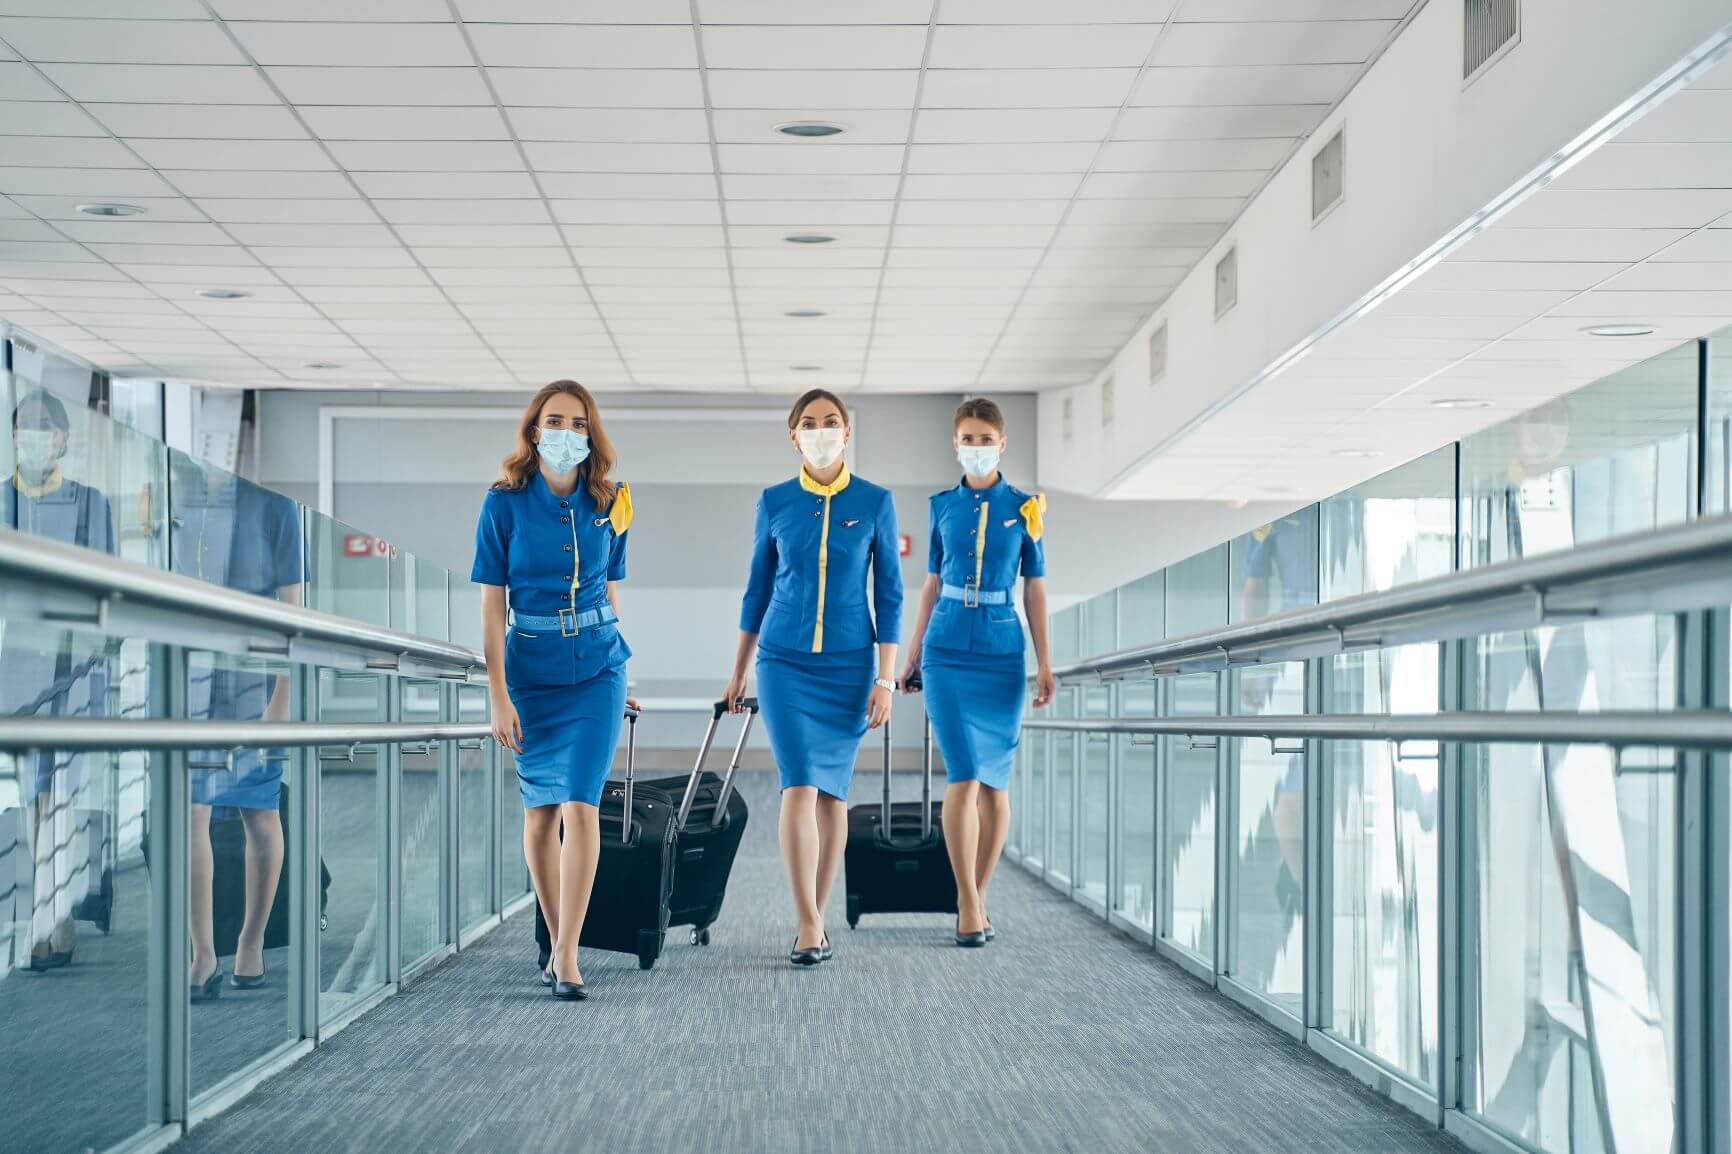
<point x="750" y="706"/>
<point x="631" y="716"/>
<point x="912" y="683"/>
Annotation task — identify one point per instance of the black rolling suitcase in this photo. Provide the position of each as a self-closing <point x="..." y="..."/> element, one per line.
<point x="895" y="861"/>
<point x="652" y="873"/>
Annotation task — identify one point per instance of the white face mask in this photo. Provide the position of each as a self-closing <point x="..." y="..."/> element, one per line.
<point x="36" y="451"/>
<point x="978" y="460"/>
<point x="822" y="447"/>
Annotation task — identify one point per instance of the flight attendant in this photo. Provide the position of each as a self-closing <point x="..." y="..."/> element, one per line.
<point x="550" y="552"/>
<point x="820" y="539"/>
<point x="968" y="650"/>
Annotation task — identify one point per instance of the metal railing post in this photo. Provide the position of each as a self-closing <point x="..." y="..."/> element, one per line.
<point x="391" y="889"/>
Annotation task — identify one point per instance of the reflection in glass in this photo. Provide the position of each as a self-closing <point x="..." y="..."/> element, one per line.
<point x="352" y="571"/>
<point x="1381" y="806"/>
<point x="1096" y="781"/>
<point x="1037" y="750"/>
<point x="351" y="813"/>
<point x="474" y="815"/>
<point x="1061" y="827"/>
<point x="1134" y="813"/>
<point x="1267" y="945"/>
<point x="1189" y="867"/>
<point x="422" y="931"/>
<point x="1275" y="566"/>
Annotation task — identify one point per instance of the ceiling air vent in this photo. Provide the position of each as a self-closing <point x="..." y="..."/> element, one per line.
<point x="1326" y="175"/>
<point x="1107" y="402"/>
<point x="1069" y="419"/>
<point x="1158" y="353"/>
<point x="1226" y="282"/>
<point x="1491" y="28"/>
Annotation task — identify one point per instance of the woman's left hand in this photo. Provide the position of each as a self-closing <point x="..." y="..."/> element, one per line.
<point x="631" y="703"/>
<point x="1045" y="687"/>
<point x="878" y="707"/>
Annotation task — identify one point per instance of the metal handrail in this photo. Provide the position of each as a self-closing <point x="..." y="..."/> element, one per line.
<point x="81" y="586"/>
<point x="1681" y="567"/>
<point x="84" y="735"/>
<point x="1681" y="729"/>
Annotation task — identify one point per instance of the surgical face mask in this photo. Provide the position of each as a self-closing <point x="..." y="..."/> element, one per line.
<point x="36" y="451"/>
<point x="822" y="447"/>
<point x="563" y="449"/>
<point x="978" y="460"/>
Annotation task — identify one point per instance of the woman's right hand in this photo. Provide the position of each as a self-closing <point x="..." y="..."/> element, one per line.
<point x="507" y="729"/>
<point x="735" y="691"/>
<point x="911" y="674"/>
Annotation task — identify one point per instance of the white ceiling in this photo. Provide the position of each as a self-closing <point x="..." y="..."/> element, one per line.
<point x="1638" y="232"/>
<point x="490" y="193"/>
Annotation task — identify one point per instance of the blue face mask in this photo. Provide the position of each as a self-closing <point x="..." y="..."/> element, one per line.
<point x="563" y="450"/>
<point x="978" y="460"/>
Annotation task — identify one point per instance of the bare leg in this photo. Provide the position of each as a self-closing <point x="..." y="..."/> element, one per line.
<point x="994" y="810"/>
<point x="962" y="839"/>
<point x="832" y="840"/>
<point x="264" y="830"/>
<point x="578" y="854"/>
<point x="801" y="849"/>
<point x="541" y="851"/>
<point x="201" y="867"/>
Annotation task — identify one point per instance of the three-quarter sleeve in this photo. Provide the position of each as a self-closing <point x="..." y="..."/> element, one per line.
<point x="761" y="579"/>
<point x="935" y="542"/>
<point x="491" y="535"/>
<point x="887" y="575"/>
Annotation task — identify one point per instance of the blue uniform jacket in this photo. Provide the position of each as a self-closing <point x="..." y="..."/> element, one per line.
<point x="810" y="552"/>
<point x="553" y="553"/>
<point x="982" y="538"/>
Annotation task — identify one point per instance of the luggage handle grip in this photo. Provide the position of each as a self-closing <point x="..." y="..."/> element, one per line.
<point x="720" y="708"/>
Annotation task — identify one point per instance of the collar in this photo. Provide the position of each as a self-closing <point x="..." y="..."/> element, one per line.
<point x="993" y="489"/>
<point x="539" y="484"/>
<point x="49" y="484"/>
<point x="830" y="490"/>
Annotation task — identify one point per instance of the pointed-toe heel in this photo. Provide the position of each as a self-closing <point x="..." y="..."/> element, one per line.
<point x="546" y="976"/>
<point x="209" y="989"/>
<point x="825" y="953"/>
<point x="971" y="940"/>
<point x="567" y="991"/>
<point x="247" y="981"/>
<point x="800" y="957"/>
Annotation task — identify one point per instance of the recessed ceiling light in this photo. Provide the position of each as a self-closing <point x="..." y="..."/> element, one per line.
<point x="1359" y="452"/>
<point x="809" y="129"/>
<point x="1618" y="330"/>
<point x="111" y="210"/>
<point x="321" y="365"/>
<point x="1460" y="403"/>
<point x="808" y="238"/>
<point x="805" y="313"/>
<point x="806" y="368"/>
<point x="223" y="294"/>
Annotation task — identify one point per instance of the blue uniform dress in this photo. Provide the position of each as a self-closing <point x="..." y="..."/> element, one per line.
<point x="232" y="533"/>
<point x="1279" y="555"/>
<point x="564" y="656"/>
<point x="806" y="601"/>
<point x="971" y="662"/>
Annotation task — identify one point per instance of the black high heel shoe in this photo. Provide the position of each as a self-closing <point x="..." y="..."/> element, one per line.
<point x="247" y="981"/>
<point x="809" y="957"/>
<point x="547" y="976"/>
<point x="969" y="941"/>
<point x="567" y="991"/>
<point x="825" y="953"/>
<point x="209" y="989"/>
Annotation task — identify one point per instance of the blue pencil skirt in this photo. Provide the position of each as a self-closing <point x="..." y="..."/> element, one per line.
<point x="569" y="735"/>
<point x="975" y="702"/>
<point x="814" y="707"/>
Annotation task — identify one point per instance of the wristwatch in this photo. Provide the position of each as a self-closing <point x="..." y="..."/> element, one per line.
<point x="883" y="683"/>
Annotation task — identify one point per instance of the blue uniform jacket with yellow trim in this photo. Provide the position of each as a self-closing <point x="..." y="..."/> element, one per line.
<point x="536" y="545"/>
<point x="811" y="549"/>
<point x="983" y="538"/>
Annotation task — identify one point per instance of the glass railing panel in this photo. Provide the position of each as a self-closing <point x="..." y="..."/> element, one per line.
<point x="420" y="600"/>
<point x="352" y="826"/>
<point x="513" y="869"/>
<point x="1061" y="792"/>
<point x="1034" y="803"/>
<point x="1133" y="812"/>
<point x="1188" y="866"/>
<point x="1266" y="945"/>
<point x="75" y="911"/>
<point x="476" y="782"/>
<point x="1717" y="498"/>
<point x="1018" y="794"/>
<point x="1588" y="939"/>
<point x="1101" y="624"/>
<point x="1143" y="610"/>
<point x="240" y="869"/>
<point x="466" y="612"/>
<point x="1065" y="635"/>
<point x="1274" y="566"/>
<point x="231" y="532"/>
<point x="1096" y="784"/>
<point x="423" y="929"/>
<point x="1197" y="592"/>
<point x="351" y="570"/>
<point x="1381" y="806"/>
<point x="1393" y="529"/>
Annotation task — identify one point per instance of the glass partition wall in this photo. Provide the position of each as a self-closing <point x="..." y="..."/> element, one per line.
<point x="1498" y="936"/>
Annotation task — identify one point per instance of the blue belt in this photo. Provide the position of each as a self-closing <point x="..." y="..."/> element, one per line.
<point x="971" y="596"/>
<point x="567" y="622"/>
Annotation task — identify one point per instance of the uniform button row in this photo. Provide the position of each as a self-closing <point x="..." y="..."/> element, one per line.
<point x="568" y="548"/>
<point x="565" y="520"/>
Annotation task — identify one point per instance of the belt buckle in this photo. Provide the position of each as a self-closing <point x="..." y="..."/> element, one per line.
<point x="568" y="615"/>
<point x="971" y="596"/>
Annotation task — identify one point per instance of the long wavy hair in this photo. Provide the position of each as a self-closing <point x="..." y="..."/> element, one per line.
<point x="525" y="459"/>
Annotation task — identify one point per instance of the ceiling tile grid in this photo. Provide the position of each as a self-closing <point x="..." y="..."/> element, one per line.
<point x="477" y="193"/>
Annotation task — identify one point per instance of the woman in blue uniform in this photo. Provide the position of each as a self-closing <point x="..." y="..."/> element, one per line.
<point x="550" y="551"/>
<point x="968" y="650"/>
<point x="805" y="613"/>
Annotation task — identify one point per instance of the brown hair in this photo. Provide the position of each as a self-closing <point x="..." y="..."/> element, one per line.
<point x="525" y="459"/>
<point x="980" y="409"/>
<point x="810" y="395"/>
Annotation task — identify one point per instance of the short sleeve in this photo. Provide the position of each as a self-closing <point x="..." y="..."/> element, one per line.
<point x="1259" y="563"/>
<point x="491" y="534"/>
<point x="616" y="554"/>
<point x="935" y="545"/>
<point x="1033" y="512"/>
<point x="283" y="535"/>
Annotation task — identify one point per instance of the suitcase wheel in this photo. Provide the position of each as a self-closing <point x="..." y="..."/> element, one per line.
<point x="700" y="937"/>
<point x="649" y="948"/>
<point x="853" y="911"/>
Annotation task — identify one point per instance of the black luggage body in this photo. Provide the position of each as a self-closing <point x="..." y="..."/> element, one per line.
<point x="895" y="861"/>
<point x="671" y="866"/>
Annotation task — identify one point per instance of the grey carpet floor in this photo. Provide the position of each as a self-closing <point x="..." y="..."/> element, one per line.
<point x="1061" y="1036"/>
